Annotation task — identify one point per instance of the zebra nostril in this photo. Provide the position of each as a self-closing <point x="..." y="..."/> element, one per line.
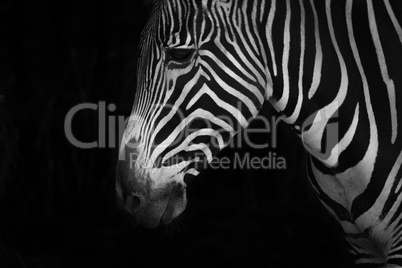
<point x="134" y="202"/>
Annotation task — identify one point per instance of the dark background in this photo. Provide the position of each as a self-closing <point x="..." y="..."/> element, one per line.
<point x="57" y="204"/>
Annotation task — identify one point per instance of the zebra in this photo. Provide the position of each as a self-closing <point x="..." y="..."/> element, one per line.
<point x="328" y="67"/>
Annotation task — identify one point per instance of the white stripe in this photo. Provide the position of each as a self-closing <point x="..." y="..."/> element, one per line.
<point x="248" y="34"/>
<point x="281" y="104"/>
<point x="384" y="70"/>
<point x="295" y="115"/>
<point x="271" y="17"/>
<point x="393" y="19"/>
<point x="318" y="55"/>
<point x="262" y="8"/>
<point x="193" y="171"/>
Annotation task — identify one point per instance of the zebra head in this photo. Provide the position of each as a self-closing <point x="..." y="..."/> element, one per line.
<point x="201" y="78"/>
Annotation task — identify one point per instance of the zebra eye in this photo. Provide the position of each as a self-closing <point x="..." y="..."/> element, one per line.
<point x="180" y="55"/>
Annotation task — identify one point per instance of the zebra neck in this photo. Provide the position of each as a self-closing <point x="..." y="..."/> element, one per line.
<point x="293" y="68"/>
<point x="309" y="97"/>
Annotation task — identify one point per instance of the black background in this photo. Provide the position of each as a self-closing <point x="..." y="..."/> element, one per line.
<point x="57" y="204"/>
